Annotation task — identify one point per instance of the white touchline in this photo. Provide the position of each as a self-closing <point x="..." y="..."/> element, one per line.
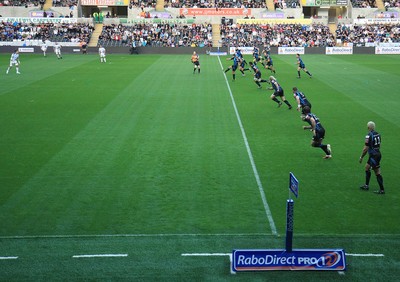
<point x="365" y="255"/>
<point x="206" y="254"/>
<point x="100" y="256"/>
<point x="8" y="257"/>
<point x="253" y="165"/>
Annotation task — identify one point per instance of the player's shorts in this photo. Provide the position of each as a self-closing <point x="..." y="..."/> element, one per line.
<point x="270" y="64"/>
<point x="319" y="135"/>
<point x="12" y="63"/>
<point x="374" y="160"/>
<point x="257" y="76"/>
<point x="197" y="63"/>
<point x="302" y="66"/>
<point x="234" y="67"/>
<point x="102" y="55"/>
<point x="279" y="93"/>
<point x="58" y="52"/>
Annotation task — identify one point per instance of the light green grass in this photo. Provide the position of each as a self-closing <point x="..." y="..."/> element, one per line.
<point x="142" y="146"/>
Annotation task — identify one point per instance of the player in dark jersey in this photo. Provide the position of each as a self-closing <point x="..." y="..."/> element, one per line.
<point x="257" y="75"/>
<point x="269" y="64"/>
<point x="372" y="146"/>
<point x="301" y="66"/>
<point x="278" y="92"/>
<point x="234" y="65"/>
<point x="318" y="133"/>
<point x="302" y="101"/>
<point x="256" y="55"/>
<point x="239" y="53"/>
<point x="242" y="65"/>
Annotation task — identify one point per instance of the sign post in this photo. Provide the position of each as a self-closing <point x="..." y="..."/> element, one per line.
<point x="288" y="259"/>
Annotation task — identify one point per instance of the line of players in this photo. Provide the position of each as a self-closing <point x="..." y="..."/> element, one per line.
<point x="14" y="59"/>
<point x="303" y="105"/>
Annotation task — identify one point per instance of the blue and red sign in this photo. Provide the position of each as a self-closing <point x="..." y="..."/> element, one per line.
<point x="299" y="259"/>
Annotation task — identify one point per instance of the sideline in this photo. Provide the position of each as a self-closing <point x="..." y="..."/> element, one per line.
<point x="253" y="165"/>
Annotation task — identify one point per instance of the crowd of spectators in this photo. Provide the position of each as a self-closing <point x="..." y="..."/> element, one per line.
<point x="46" y="31"/>
<point x="39" y="3"/>
<point x="363" y="3"/>
<point x="391" y="4"/>
<point x="65" y="3"/>
<point x="282" y="35"/>
<point x="157" y="35"/>
<point x="200" y="35"/>
<point x="359" y="35"/>
<point x="23" y="3"/>
<point x="283" y="4"/>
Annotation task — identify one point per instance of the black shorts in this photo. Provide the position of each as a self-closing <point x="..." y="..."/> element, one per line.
<point x="374" y="160"/>
<point x="279" y="93"/>
<point x="197" y="63"/>
<point x="319" y="135"/>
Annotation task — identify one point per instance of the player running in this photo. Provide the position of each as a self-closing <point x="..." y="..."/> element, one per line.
<point x="278" y="92"/>
<point x="257" y="75"/>
<point x="302" y="102"/>
<point x="301" y="66"/>
<point x="318" y="133"/>
<point x="234" y="66"/>
<point x="14" y="61"/>
<point x="57" y="50"/>
<point x="44" y="48"/>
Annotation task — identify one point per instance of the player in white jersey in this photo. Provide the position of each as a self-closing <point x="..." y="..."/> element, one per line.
<point x="44" y="48"/>
<point x="14" y="60"/>
<point x="57" y="50"/>
<point x="102" y="54"/>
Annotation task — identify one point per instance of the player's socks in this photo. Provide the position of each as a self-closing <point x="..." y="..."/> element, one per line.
<point x="287" y="103"/>
<point x="227" y="69"/>
<point x="379" y="178"/>
<point x="276" y="100"/>
<point x="234" y="76"/>
<point x="307" y="72"/>
<point x="298" y="73"/>
<point x="367" y="177"/>
<point x="325" y="149"/>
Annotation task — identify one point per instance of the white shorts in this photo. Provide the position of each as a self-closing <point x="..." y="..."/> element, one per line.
<point x="12" y="63"/>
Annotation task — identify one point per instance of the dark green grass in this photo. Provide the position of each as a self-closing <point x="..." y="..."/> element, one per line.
<point x="140" y="145"/>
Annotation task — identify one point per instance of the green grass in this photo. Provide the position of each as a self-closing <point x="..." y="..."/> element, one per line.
<point x="140" y="156"/>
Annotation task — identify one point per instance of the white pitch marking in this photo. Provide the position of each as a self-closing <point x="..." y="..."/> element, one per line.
<point x="206" y="254"/>
<point x="253" y="165"/>
<point x="100" y="256"/>
<point x="365" y="255"/>
<point x="8" y="257"/>
<point x="212" y="255"/>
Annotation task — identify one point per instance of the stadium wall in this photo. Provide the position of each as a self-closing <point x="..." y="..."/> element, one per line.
<point x="165" y="50"/>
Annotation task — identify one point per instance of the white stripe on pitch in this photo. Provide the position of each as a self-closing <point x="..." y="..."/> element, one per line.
<point x="206" y="254"/>
<point x="365" y="255"/>
<point x="8" y="257"/>
<point x="101" y="256"/>
<point x="253" y="165"/>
